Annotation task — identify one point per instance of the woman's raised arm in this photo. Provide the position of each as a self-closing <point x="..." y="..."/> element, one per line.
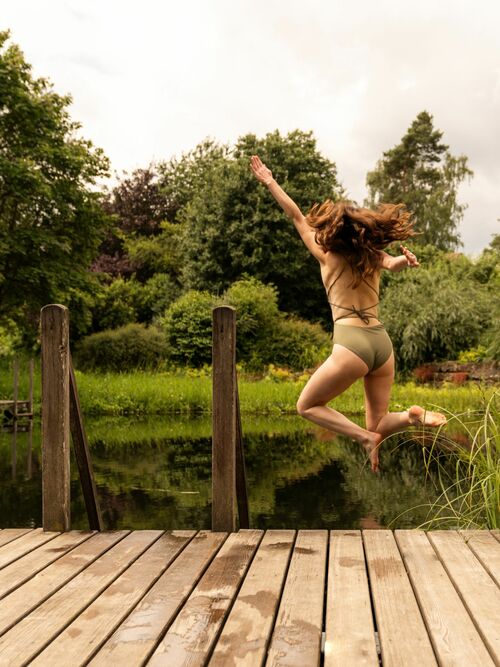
<point x="307" y="234"/>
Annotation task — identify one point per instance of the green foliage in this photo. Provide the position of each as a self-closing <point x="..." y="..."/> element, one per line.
<point x="296" y="343"/>
<point x="421" y="173"/>
<point x="231" y="224"/>
<point x="116" y="304"/>
<point x="131" y="346"/>
<point x="187" y="324"/>
<point x="10" y="338"/>
<point x="51" y="218"/>
<point x="257" y="313"/>
<point x="430" y="316"/>
<point x="475" y="354"/>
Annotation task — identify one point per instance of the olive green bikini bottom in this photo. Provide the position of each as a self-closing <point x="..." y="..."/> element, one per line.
<point x="371" y="344"/>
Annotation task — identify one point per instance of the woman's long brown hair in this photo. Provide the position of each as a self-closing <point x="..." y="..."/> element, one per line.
<point x="359" y="233"/>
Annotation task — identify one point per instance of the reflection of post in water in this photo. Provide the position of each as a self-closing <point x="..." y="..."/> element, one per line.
<point x="15" y="412"/>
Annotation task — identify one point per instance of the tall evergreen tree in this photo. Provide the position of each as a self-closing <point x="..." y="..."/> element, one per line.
<point x="421" y="173"/>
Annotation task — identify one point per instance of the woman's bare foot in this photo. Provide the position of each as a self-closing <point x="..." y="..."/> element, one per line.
<point x="420" y="417"/>
<point x="371" y="444"/>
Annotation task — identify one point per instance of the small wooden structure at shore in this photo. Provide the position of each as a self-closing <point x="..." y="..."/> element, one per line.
<point x="15" y="409"/>
<point x="221" y="597"/>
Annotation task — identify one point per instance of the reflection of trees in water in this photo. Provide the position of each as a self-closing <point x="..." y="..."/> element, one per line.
<point x="157" y="474"/>
<point x="403" y="481"/>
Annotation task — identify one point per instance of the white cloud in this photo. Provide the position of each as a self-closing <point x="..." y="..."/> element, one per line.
<point x="152" y="79"/>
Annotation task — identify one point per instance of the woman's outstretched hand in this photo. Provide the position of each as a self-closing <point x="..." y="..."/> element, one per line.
<point x="410" y="257"/>
<point x="261" y="172"/>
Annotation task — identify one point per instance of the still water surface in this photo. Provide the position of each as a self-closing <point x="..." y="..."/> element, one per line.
<point x="156" y="473"/>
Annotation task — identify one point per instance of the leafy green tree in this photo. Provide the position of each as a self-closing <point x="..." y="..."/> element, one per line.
<point x="51" y="215"/>
<point x="421" y="173"/>
<point x="232" y="225"/>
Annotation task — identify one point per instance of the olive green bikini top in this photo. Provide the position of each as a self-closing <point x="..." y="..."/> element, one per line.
<point x="353" y="311"/>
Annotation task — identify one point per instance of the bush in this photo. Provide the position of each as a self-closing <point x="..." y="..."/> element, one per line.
<point x="131" y="346"/>
<point x="257" y="313"/>
<point x="187" y="325"/>
<point x="116" y="304"/>
<point x="431" y="316"/>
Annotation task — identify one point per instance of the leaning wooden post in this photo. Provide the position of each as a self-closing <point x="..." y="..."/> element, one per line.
<point x="223" y="419"/>
<point x="16" y="387"/>
<point x="55" y="418"/>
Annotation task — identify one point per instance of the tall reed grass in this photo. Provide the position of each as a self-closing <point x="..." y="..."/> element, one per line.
<point x="468" y="468"/>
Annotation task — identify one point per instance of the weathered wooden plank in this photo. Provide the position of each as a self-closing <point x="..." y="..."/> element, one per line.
<point x="451" y="630"/>
<point x="247" y="631"/>
<point x="402" y="633"/>
<point x="296" y="639"/>
<point x="32" y="593"/>
<point x="26" y="567"/>
<point x="349" y="634"/>
<point x="25" y="544"/>
<point x="190" y="638"/>
<point x="8" y="535"/>
<point x="55" y="418"/>
<point x="223" y="418"/>
<point x="496" y="533"/>
<point x="82" y="455"/>
<point x="35" y="631"/>
<point x="135" y="639"/>
<point x="486" y="550"/>
<point x="478" y="591"/>
<point x="82" y="638"/>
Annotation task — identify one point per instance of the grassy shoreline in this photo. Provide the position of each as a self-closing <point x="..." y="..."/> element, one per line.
<point x="190" y="392"/>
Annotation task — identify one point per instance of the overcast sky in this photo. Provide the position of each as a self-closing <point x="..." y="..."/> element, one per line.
<point x="151" y="79"/>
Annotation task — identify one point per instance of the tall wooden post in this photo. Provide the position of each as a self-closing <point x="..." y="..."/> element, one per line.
<point x="223" y="419"/>
<point x="55" y="418"/>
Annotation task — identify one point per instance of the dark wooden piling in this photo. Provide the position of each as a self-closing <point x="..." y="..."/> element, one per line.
<point x="55" y="418"/>
<point x="223" y="419"/>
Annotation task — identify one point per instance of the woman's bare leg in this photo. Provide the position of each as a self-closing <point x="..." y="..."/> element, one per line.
<point x="334" y="376"/>
<point x="377" y="394"/>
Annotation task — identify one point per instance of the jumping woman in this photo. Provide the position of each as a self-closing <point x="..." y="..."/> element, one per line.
<point x="348" y="242"/>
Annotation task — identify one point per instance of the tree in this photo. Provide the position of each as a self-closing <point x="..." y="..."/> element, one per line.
<point x="138" y="207"/>
<point x="421" y="173"/>
<point x="51" y="215"/>
<point x="232" y="225"/>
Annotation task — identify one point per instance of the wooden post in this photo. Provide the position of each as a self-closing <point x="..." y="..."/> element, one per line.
<point x="30" y="396"/>
<point x="55" y="418"/>
<point x="223" y="418"/>
<point x="16" y="387"/>
<point x="82" y="454"/>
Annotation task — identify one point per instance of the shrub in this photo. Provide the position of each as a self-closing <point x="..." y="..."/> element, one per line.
<point x="430" y="316"/>
<point x="187" y="325"/>
<point x="131" y="346"/>
<point x="257" y="313"/>
<point x="294" y="342"/>
<point x="116" y="304"/>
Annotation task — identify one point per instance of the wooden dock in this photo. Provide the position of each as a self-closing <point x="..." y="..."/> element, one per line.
<point x="253" y="597"/>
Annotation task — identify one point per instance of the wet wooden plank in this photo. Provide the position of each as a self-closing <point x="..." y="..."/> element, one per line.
<point x="453" y="634"/>
<point x="296" y="639"/>
<point x="478" y="590"/>
<point x="8" y="535"/>
<point x="24" y="544"/>
<point x="31" y="634"/>
<point x="246" y="633"/>
<point x="37" y="589"/>
<point x="402" y="633"/>
<point x="486" y="549"/>
<point x="191" y="636"/>
<point x="349" y="632"/>
<point x="82" y="638"/>
<point x="136" y="638"/>
<point x="42" y="586"/>
<point x="26" y="567"/>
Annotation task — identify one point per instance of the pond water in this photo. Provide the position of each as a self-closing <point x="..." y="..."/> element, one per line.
<point x="156" y="474"/>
